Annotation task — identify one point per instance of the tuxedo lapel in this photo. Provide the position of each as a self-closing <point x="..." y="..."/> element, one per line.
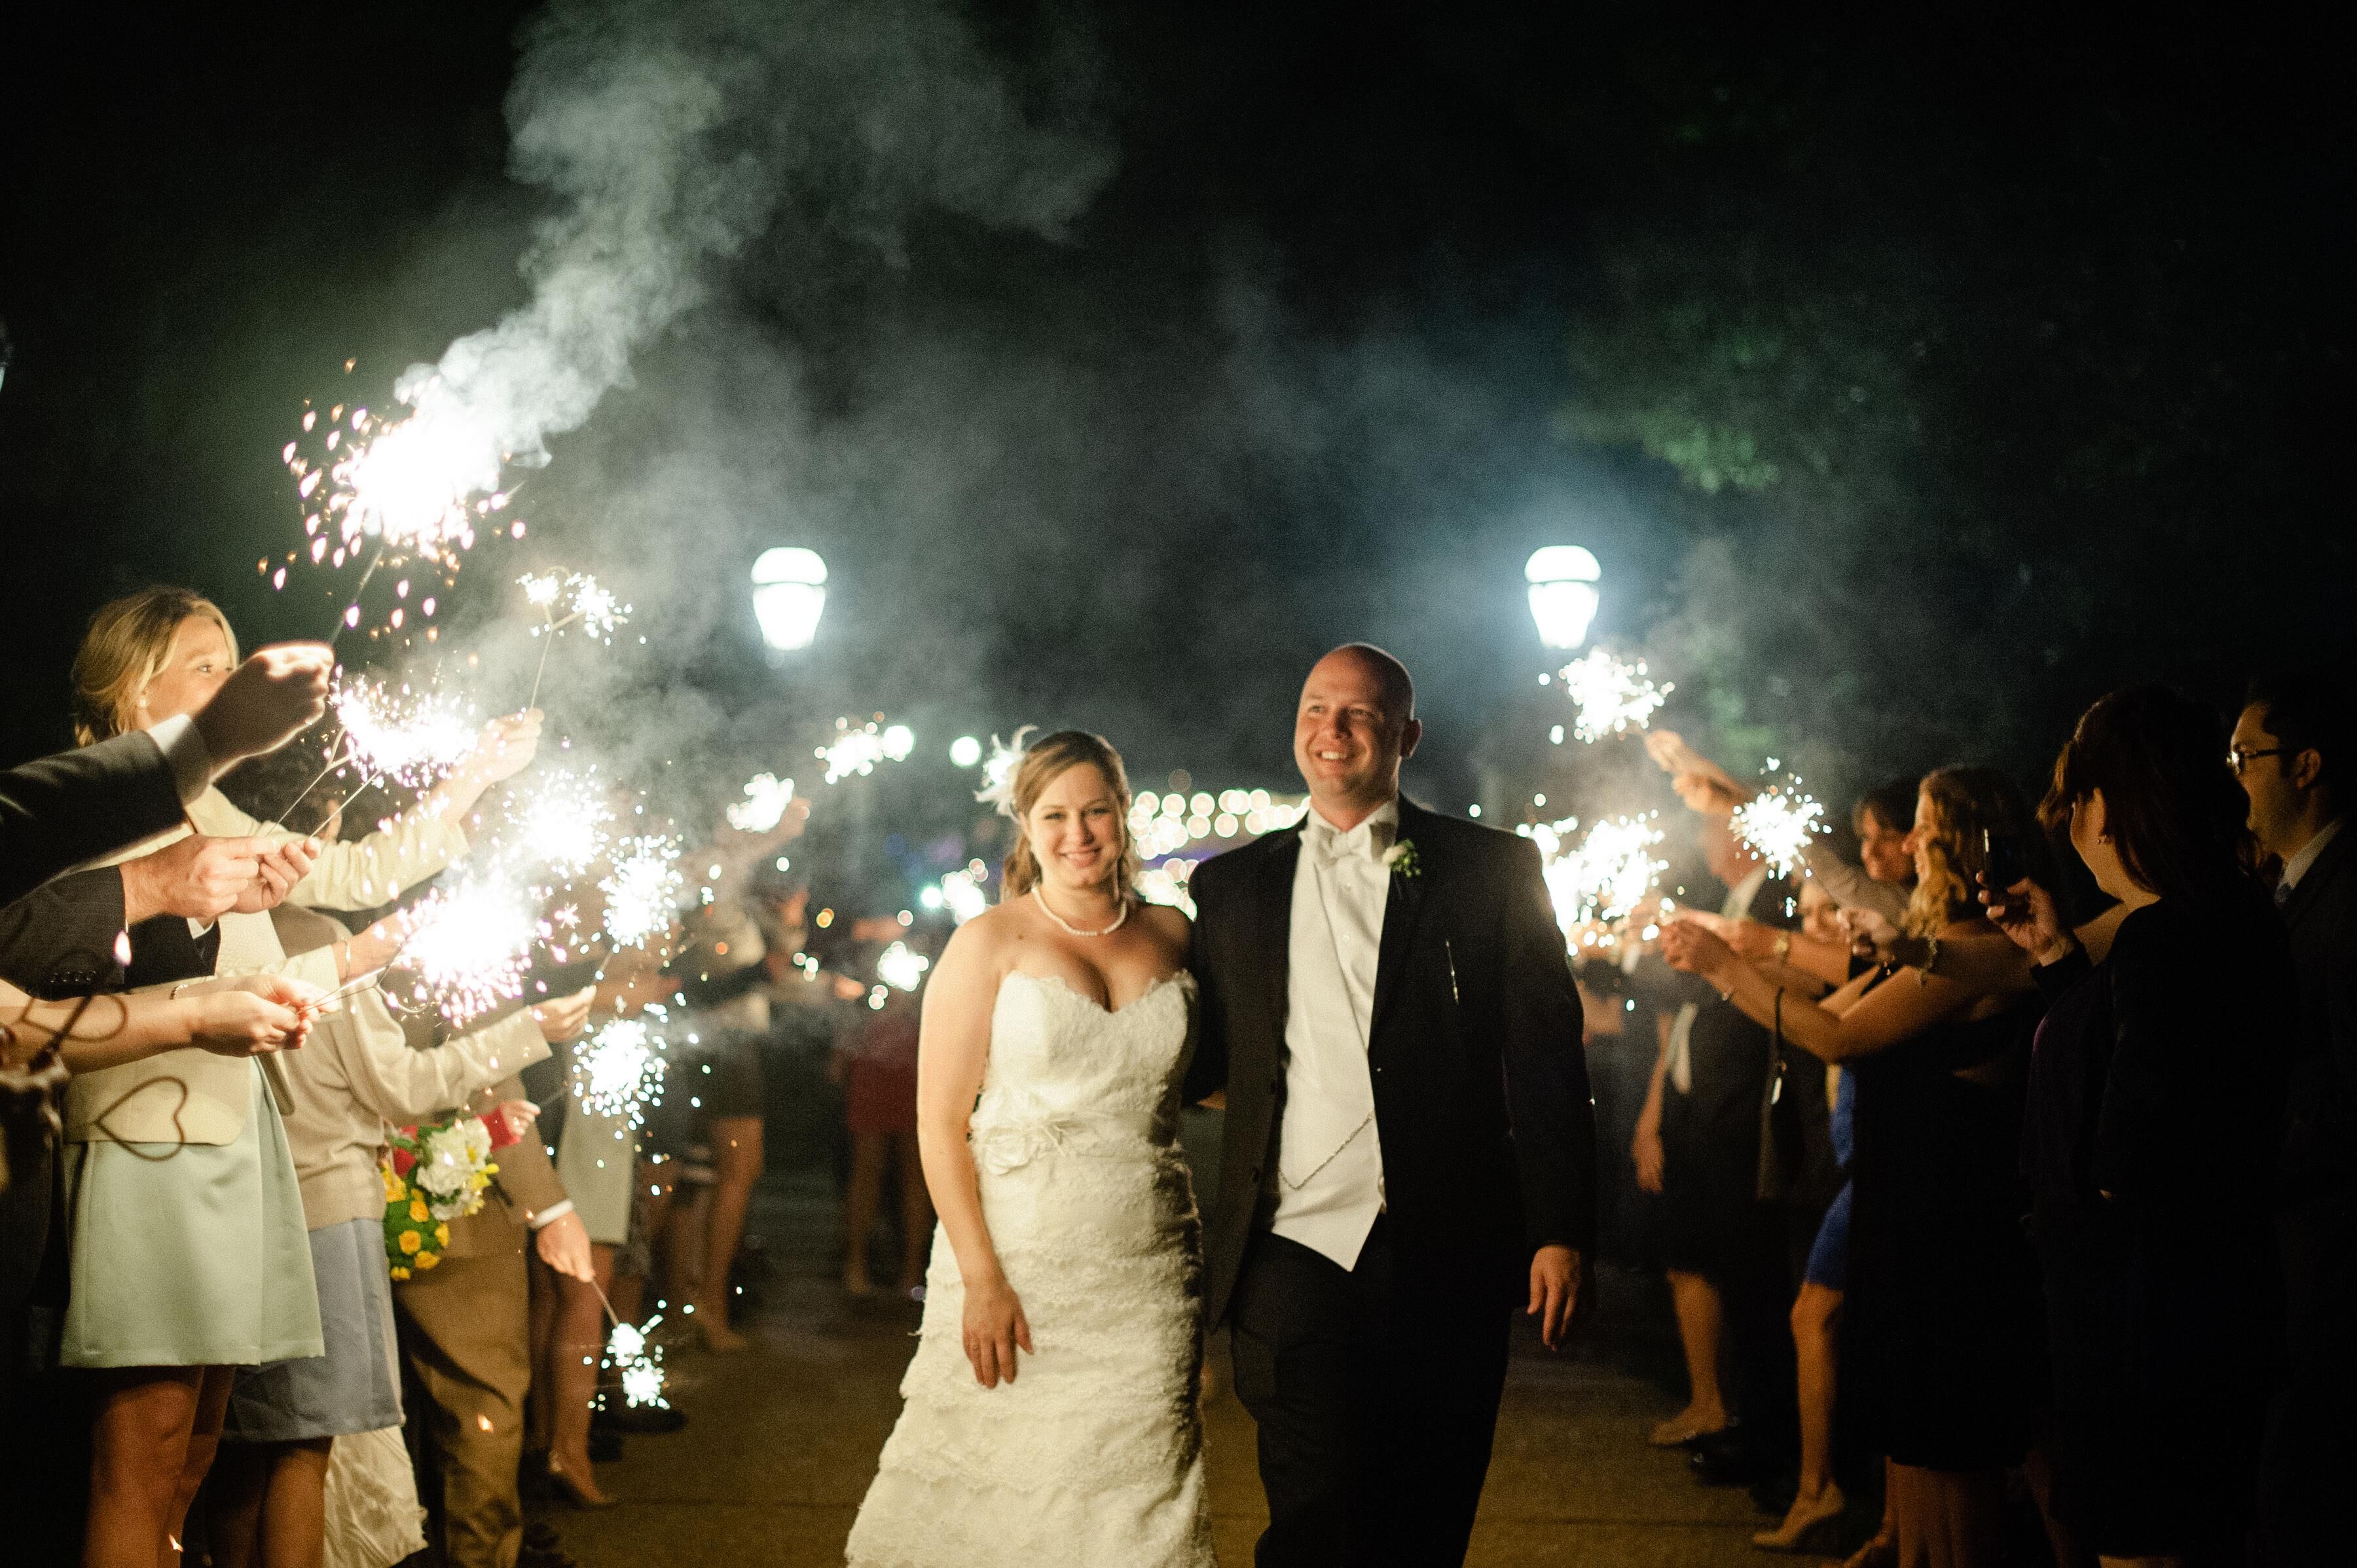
<point x="1401" y="909"/>
<point x="1273" y="918"/>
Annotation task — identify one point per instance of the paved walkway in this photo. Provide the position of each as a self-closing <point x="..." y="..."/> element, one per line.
<point x="782" y="1440"/>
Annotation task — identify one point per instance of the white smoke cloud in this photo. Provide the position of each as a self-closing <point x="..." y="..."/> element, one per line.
<point x="675" y="134"/>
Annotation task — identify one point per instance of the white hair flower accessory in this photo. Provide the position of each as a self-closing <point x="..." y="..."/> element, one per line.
<point x="998" y="772"/>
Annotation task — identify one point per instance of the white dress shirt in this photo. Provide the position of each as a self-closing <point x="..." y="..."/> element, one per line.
<point x="1738" y="906"/>
<point x="1329" y="1161"/>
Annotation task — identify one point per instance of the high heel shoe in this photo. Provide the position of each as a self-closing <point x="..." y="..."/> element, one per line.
<point x="566" y="1486"/>
<point x="1810" y="1532"/>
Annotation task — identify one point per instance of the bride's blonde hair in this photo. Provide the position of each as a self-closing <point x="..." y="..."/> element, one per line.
<point x="1028" y="776"/>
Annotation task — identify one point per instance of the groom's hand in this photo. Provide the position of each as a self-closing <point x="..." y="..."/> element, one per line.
<point x="1556" y="1291"/>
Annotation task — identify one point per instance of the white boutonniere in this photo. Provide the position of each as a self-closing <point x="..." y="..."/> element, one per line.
<point x="1400" y="860"/>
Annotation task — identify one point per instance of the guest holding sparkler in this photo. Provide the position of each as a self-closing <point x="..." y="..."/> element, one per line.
<point x="2136" y="1142"/>
<point x="1942" y="1291"/>
<point x="188" y="1256"/>
<point x="1698" y="1144"/>
<point x="267" y="1492"/>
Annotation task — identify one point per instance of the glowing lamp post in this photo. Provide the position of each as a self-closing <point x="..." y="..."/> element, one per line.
<point x="1563" y="594"/>
<point x="789" y="596"/>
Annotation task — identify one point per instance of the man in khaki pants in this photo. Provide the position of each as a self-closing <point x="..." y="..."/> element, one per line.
<point x="466" y="1330"/>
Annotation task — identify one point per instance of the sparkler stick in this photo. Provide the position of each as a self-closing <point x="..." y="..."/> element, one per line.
<point x="316" y="781"/>
<point x="349" y="615"/>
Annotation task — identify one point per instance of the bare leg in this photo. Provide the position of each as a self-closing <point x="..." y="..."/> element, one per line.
<point x="864" y="1196"/>
<point x="916" y="1214"/>
<point x="2038" y="1470"/>
<point x="139" y="1444"/>
<point x="204" y="1440"/>
<point x="269" y="1505"/>
<point x="1697" y="1302"/>
<point x="1815" y="1316"/>
<point x="737" y="1162"/>
<point x="579" y="1335"/>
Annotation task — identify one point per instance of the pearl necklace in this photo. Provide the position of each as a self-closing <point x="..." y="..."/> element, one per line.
<point x="1068" y="928"/>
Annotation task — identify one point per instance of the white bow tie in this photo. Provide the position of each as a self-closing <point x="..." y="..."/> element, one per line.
<point x="1333" y="846"/>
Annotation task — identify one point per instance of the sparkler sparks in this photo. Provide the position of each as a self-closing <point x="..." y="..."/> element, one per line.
<point x="631" y="1350"/>
<point x="1777" y="824"/>
<point x="566" y="598"/>
<point x="767" y="795"/>
<point x="619" y="1072"/>
<point x="418" y="486"/>
<point x="857" y="751"/>
<point x="1608" y="874"/>
<point x="1612" y="694"/>
<point x="470" y="947"/>
<point x="403" y="734"/>
<point x="564" y="822"/>
<point x="643" y="889"/>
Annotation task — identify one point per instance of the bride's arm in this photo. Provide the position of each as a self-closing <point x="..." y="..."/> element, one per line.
<point x="953" y="1048"/>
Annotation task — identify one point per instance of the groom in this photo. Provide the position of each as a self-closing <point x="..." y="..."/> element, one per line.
<point x="1410" y="1148"/>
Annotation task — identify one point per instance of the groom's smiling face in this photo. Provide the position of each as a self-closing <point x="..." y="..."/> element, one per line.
<point x="1355" y="725"/>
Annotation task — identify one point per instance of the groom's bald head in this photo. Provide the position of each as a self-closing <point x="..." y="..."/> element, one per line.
<point x="1355" y="725"/>
<point x="1390" y="676"/>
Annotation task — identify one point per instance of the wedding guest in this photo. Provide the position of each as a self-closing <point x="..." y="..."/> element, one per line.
<point x="59" y="811"/>
<point x="268" y="1491"/>
<point x="187" y="1252"/>
<point x="1698" y="1138"/>
<point x="1941" y="1345"/>
<point x="465" y="1331"/>
<point x="2293" y="745"/>
<point x="875" y="1061"/>
<point x="2136" y="1146"/>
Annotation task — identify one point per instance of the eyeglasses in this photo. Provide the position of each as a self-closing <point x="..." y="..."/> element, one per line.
<point x="2238" y="759"/>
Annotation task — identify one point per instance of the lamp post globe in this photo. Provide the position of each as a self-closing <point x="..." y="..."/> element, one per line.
<point x="789" y="597"/>
<point x="1564" y="593"/>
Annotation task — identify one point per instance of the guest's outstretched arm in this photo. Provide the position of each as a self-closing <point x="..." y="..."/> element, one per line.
<point x="1852" y="1022"/>
<point x="953" y="1049"/>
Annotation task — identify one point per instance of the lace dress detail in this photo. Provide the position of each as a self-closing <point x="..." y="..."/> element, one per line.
<point x="1094" y="1455"/>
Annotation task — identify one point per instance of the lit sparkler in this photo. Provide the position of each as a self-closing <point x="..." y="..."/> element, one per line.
<point x="470" y="947"/>
<point x="767" y="795"/>
<point x="569" y="598"/>
<point x="399" y="732"/>
<point x="632" y="1353"/>
<point x="643" y="889"/>
<point x="619" y="1072"/>
<point x="564" y="822"/>
<point x="857" y="751"/>
<point x="1612" y="694"/>
<point x="1607" y="875"/>
<point x="1779" y="823"/>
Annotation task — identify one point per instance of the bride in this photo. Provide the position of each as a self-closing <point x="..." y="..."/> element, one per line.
<point x="1050" y="1414"/>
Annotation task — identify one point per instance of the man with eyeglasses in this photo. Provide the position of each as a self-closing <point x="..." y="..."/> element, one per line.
<point x="2290" y="749"/>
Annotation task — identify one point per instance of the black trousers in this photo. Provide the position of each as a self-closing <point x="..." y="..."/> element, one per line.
<point x="1376" y="1399"/>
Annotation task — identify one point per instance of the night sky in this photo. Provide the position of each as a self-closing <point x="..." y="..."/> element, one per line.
<point x="1914" y="382"/>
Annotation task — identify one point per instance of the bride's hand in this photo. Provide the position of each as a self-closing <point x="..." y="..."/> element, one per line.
<point x="994" y="1326"/>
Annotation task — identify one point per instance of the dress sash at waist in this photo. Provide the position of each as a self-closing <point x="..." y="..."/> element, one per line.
<point x="1005" y="1138"/>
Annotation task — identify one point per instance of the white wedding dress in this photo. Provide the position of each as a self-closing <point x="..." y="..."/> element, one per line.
<point x="1092" y="1457"/>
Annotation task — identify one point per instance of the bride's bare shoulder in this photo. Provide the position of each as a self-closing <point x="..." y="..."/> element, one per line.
<point x="1166" y="921"/>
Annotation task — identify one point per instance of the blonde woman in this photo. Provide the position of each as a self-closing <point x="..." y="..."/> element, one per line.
<point x="188" y="1253"/>
<point x="1051" y="1412"/>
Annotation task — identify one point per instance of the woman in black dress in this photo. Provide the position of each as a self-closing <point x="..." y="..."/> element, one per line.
<point x="1940" y="1351"/>
<point x="2155" y="1102"/>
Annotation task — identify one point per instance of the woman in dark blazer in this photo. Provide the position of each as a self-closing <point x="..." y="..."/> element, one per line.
<point x="2156" y="1092"/>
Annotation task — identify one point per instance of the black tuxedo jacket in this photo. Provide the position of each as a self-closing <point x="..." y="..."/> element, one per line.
<point x="2320" y="1141"/>
<point x="1481" y="1098"/>
<point x="57" y="812"/>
